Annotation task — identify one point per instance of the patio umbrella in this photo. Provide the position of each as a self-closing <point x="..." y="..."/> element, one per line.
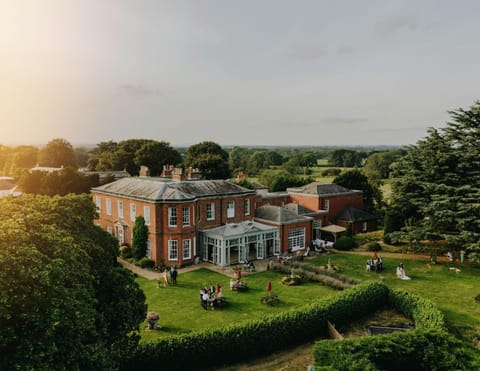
<point x="269" y="286"/>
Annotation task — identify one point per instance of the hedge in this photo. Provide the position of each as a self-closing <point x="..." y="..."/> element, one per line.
<point x="429" y="347"/>
<point x="414" y="350"/>
<point x="250" y="339"/>
<point x="420" y="310"/>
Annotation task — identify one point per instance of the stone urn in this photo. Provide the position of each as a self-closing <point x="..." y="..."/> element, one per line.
<point x="152" y="319"/>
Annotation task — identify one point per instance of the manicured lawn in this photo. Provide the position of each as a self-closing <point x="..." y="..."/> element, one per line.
<point x="452" y="292"/>
<point x="180" y="310"/>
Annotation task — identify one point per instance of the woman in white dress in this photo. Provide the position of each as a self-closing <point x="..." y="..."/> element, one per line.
<point x="401" y="273"/>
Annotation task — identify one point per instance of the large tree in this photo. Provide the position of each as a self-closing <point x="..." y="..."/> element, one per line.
<point x="155" y="155"/>
<point x="64" y="304"/>
<point x="210" y="158"/>
<point x="437" y="183"/>
<point x="355" y="179"/>
<point x="58" y="152"/>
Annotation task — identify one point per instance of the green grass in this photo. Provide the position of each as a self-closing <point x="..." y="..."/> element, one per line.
<point x="451" y="292"/>
<point x="180" y="310"/>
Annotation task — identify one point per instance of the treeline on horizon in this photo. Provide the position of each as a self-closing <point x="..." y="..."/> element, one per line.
<point x="129" y="154"/>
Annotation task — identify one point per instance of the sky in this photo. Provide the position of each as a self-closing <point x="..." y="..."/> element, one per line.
<point x="243" y="72"/>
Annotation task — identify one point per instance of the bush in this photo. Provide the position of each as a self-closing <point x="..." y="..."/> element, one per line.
<point x="345" y="243"/>
<point x="374" y="246"/>
<point x="332" y="171"/>
<point x="391" y="239"/>
<point x="126" y="252"/>
<point x="145" y="263"/>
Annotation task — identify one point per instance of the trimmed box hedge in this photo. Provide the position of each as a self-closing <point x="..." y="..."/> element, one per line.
<point x="250" y="339"/>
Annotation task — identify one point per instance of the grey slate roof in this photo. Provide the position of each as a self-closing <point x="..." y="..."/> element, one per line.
<point x="350" y="214"/>
<point x="299" y="209"/>
<point x="278" y="214"/>
<point x="158" y="189"/>
<point x="323" y="190"/>
<point x="237" y="229"/>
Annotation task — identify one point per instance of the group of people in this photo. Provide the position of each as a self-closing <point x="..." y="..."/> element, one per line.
<point x="211" y="297"/>
<point x="375" y="264"/>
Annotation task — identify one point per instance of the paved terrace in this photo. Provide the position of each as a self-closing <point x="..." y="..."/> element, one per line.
<point x="260" y="265"/>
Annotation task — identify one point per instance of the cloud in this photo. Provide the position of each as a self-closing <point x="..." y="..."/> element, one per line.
<point x="308" y="52"/>
<point x="344" y="50"/>
<point x="139" y="91"/>
<point x="392" y="25"/>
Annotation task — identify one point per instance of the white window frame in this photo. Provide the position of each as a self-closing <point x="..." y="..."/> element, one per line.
<point x="186" y="216"/>
<point x="146" y="214"/>
<point x="108" y="206"/>
<point x="98" y="202"/>
<point x="187" y="249"/>
<point x="326" y="205"/>
<point x="173" y="250"/>
<point x="120" y="209"/>
<point x="230" y="209"/>
<point x="133" y="212"/>
<point x="247" y="206"/>
<point x="211" y="211"/>
<point x="364" y="226"/>
<point x="110" y="230"/>
<point x="172" y="217"/>
<point x="296" y="239"/>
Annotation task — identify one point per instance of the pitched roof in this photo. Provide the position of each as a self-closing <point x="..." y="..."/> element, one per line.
<point x="278" y="214"/>
<point x="350" y="214"/>
<point x="323" y="190"/>
<point x="158" y="189"/>
<point x="237" y="229"/>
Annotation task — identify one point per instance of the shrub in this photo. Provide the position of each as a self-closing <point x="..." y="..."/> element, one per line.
<point x="145" y="263"/>
<point x="332" y="171"/>
<point x="126" y="252"/>
<point x="345" y="243"/>
<point x="315" y="273"/>
<point x="391" y="239"/>
<point x="374" y="246"/>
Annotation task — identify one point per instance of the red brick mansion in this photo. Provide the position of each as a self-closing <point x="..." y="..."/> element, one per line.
<point x="223" y="223"/>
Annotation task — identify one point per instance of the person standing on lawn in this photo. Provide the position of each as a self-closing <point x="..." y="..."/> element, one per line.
<point x="174" y="274"/>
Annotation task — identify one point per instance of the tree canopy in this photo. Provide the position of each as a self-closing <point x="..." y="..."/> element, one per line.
<point x="355" y="179"/>
<point x="210" y="158"/>
<point x="58" y="152"/>
<point x="437" y="183"/>
<point x="62" y="182"/>
<point x="64" y="304"/>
